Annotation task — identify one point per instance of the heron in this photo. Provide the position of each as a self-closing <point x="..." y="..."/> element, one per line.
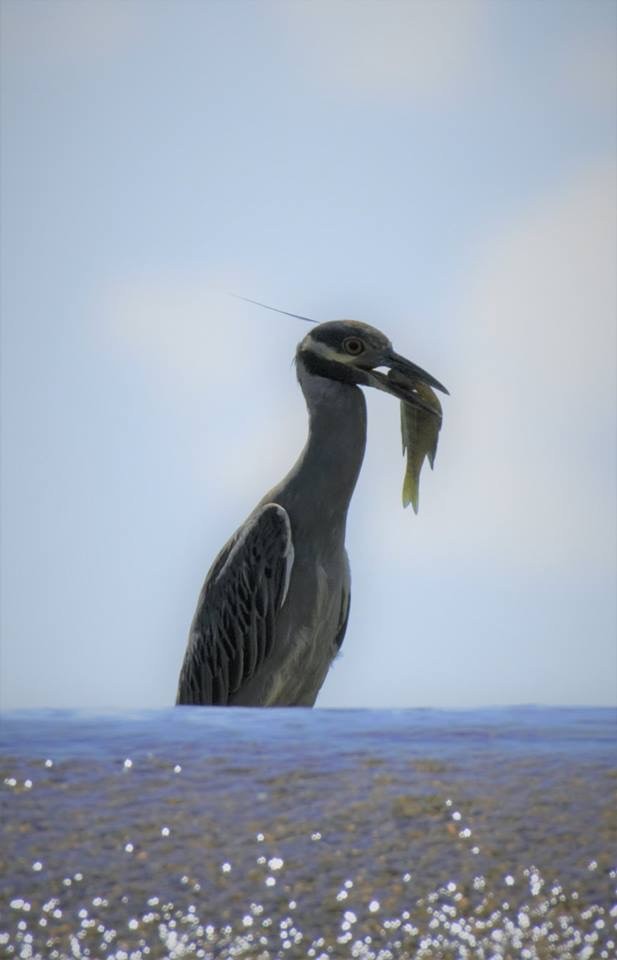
<point x="273" y="611"/>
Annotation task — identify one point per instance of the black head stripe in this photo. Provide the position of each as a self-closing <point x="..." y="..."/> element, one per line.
<point x="331" y="335"/>
<point x="322" y="367"/>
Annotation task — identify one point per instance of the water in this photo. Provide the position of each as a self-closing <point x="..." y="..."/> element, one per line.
<point x="225" y="833"/>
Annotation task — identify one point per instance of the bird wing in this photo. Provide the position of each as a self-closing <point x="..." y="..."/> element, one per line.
<point x="233" y="629"/>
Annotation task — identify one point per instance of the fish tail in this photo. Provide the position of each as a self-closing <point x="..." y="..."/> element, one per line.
<point x="411" y="490"/>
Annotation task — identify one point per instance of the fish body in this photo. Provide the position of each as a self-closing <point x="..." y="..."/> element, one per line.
<point x="420" y="426"/>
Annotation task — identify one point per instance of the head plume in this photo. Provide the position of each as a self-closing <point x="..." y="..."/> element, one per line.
<point x="274" y="309"/>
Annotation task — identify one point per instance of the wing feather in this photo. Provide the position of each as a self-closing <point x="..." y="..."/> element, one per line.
<point x="234" y="627"/>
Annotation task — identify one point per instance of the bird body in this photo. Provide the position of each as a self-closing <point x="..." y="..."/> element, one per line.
<point x="273" y="610"/>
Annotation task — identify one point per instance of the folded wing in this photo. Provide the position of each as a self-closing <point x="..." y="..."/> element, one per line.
<point x="234" y="626"/>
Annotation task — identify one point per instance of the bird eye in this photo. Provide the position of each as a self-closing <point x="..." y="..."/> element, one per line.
<point x="353" y="346"/>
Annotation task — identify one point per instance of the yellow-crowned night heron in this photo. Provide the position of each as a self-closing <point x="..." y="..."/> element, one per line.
<point x="273" y="611"/>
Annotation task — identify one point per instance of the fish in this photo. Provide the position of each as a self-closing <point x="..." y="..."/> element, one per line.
<point x="420" y="426"/>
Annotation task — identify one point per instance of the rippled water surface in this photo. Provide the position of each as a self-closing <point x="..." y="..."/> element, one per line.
<point x="221" y="833"/>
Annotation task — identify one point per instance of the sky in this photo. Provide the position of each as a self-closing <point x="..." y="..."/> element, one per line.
<point x="445" y="171"/>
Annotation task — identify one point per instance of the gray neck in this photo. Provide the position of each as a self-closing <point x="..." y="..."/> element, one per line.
<point x="319" y="487"/>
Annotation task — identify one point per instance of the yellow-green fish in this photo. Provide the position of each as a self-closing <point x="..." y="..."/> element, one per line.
<point x="420" y="428"/>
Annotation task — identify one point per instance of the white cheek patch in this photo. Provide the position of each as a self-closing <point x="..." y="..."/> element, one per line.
<point x="329" y="353"/>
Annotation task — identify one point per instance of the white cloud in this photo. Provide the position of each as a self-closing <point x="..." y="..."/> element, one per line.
<point x="409" y="48"/>
<point x="188" y="330"/>
<point x="175" y="324"/>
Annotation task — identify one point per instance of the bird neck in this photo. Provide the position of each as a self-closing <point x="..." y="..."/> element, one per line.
<point x="328" y="467"/>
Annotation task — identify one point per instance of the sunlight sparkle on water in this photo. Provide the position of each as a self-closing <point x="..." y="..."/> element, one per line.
<point x="441" y="928"/>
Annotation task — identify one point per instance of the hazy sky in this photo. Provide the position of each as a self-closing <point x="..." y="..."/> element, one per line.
<point x="442" y="170"/>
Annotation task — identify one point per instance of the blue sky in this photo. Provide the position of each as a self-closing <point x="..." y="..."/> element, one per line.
<point x="444" y="171"/>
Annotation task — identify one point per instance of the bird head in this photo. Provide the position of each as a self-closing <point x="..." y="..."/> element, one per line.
<point x="355" y="353"/>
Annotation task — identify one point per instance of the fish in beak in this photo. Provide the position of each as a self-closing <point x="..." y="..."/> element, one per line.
<point x="421" y="416"/>
<point x="404" y="380"/>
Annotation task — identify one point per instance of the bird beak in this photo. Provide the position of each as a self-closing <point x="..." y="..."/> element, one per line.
<point x="411" y="371"/>
<point x="403" y="380"/>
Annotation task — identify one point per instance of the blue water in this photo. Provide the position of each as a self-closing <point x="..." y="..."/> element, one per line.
<point x="308" y="833"/>
<point x="577" y="731"/>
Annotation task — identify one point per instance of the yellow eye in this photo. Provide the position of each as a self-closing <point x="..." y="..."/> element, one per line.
<point x="353" y="346"/>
